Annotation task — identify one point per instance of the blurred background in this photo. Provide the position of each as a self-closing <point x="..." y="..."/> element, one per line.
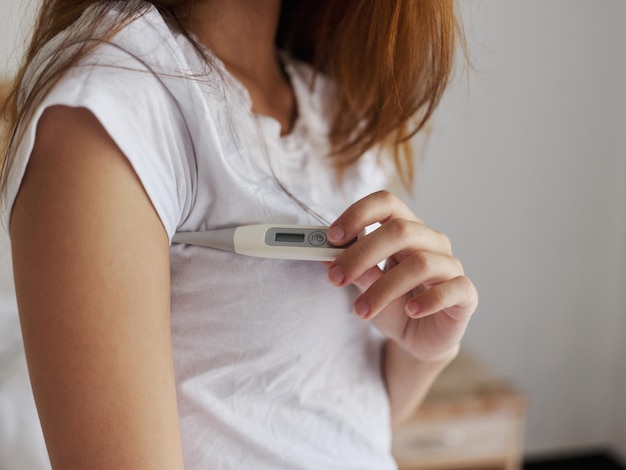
<point x="525" y="171"/>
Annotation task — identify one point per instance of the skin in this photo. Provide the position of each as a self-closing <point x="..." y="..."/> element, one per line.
<point x="95" y="326"/>
<point x="422" y="302"/>
<point x="241" y="33"/>
<point x="91" y="262"/>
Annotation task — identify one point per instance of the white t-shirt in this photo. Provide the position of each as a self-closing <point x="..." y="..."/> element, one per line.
<point x="273" y="370"/>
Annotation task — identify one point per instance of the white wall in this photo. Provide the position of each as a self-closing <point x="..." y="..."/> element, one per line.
<point x="525" y="172"/>
<point x="619" y="387"/>
<point x="15" y="20"/>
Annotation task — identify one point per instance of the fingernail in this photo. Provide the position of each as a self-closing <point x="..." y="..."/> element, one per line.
<point x="412" y="309"/>
<point x="336" y="233"/>
<point x="335" y="275"/>
<point x="361" y="308"/>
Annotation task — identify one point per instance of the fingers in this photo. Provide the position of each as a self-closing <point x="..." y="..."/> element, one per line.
<point x="425" y="269"/>
<point x="421" y="258"/>
<point x="399" y="237"/>
<point x="381" y="207"/>
<point x="456" y="297"/>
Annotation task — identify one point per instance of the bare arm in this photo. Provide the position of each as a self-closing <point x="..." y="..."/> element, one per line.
<point x="408" y="379"/>
<point x="91" y="264"/>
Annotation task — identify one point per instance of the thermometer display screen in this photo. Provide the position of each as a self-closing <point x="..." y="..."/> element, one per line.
<point x="289" y="237"/>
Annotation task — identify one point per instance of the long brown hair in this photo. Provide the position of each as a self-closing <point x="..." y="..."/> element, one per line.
<point x="391" y="61"/>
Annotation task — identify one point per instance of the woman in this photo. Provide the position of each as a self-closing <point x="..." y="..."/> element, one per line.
<point x="133" y="120"/>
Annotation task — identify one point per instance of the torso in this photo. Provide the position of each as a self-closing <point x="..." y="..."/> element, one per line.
<point x="272" y="368"/>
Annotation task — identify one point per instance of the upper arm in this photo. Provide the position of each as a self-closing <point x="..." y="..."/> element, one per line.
<point x="91" y="262"/>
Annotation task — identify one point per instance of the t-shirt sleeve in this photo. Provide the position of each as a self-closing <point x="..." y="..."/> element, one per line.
<point x="142" y="115"/>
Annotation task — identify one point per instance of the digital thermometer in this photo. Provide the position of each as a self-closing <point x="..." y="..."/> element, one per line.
<point x="296" y="242"/>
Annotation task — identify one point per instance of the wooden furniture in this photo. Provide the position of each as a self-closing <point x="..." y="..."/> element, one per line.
<point x="471" y="419"/>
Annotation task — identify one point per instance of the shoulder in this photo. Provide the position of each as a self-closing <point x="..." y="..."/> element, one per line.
<point x="133" y="85"/>
<point x="118" y="52"/>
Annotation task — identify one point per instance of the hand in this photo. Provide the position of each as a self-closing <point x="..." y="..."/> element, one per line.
<point x="422" y="300"/>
